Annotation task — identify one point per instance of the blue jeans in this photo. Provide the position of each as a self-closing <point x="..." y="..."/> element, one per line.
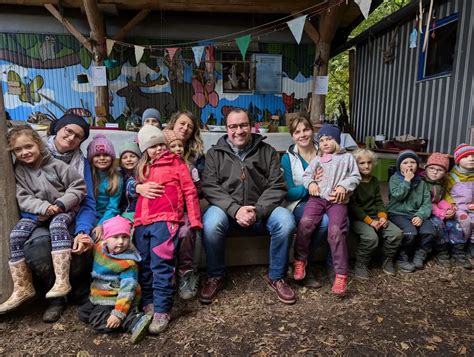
<point x="280" y="225"/>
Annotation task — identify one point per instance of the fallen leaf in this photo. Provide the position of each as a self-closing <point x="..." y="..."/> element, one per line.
<point x="281" y="329"/>
<point x="436" y="339"/>
<point x="59" y="327"/>
<point x="430" y="347"/>
<point x="404" y="346"/>
<point x="462" y="350"/>
<point x="96" y="341"/>
<point x="82" y="354"/>
<point x="379" y="319"/>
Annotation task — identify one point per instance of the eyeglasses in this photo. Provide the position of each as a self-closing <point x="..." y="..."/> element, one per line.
<point x="243" y="126"/>
<point x="434" y="169"/>
<point x="70" y="132"/>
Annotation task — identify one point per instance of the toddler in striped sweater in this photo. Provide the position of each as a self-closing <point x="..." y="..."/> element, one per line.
<point x="115" y="292"/>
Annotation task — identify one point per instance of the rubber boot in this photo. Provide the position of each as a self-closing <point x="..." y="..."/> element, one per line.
<point x="61" y="263"/>
<point x="23" y="288"/>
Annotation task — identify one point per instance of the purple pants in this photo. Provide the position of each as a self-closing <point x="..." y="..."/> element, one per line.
<point x="337" y="231"/>
<point x="187" y="244"/>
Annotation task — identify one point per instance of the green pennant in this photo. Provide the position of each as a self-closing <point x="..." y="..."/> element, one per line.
<point x="243" y="44"/>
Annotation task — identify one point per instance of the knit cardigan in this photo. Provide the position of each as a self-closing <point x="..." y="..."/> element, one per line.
<point x="115" y="280"/>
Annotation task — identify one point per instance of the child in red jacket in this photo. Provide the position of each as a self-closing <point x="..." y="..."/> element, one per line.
<point x="157" y="221"/>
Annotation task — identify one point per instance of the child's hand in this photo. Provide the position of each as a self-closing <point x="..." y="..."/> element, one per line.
<point x="470" y="207"/>
<point x="383" y="222"/>
<point x="318" y="175"/>
<point x="113" y="322"/>
<point x="82" y="243"/>
<point x="375" y="224"/>
<point x="450" y="213"/>
<point x="150" y="190"/>
<point x="408" y="175"/>
<point x="339" y="194"/>
<point x="416" y="221"/>
<point x="53" y="210"/>
<point x="98" y="231"/>
<point x="314" y="189"/>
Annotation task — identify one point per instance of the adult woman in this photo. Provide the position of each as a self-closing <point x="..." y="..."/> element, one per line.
<point x="294" y="162"/>
<point x="67" y="134"/>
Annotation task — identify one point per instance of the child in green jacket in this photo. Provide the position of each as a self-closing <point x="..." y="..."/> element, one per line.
<point x="409" y="208"/>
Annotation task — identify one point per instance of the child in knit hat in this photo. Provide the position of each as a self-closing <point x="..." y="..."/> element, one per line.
<point x="449" y="234"/>
<point x="151" y="116"/>
<point x="129" y="156"/>
<point x="108" y="182"/>
<point x="460" y="191"/>
<point x="157" y="220"/>
<point x="409" y="208"/>
<point x="115" y="292"/>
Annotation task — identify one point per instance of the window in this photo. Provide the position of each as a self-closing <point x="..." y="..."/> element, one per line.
<point x="237" y="75"/>
<point x="268" y="74"/>
<point x="438" y="59"/>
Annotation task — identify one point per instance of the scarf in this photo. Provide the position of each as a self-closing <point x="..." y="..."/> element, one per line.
<point x="73" y="158"/>
<point x="413" y="183"/>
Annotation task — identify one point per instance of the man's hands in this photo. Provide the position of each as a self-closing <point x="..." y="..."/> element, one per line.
<point x="338" y="195"/>
<point x="246" y="216"/>
<point x="150" y="190"/>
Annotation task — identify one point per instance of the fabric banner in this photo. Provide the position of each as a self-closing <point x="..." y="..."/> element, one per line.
<point x="198" y="51"/>
<point x="139" y="53"/>
<point x="110" y="45"/>
<point x="243" y="44"/>
<point x="364" y="6"/>
<point x="172" y="52"/>
<point x="296" y="26"/>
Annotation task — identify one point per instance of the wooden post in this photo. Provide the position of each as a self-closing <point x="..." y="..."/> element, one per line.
<point x="99" y="50"/>
<point x="9" y="216"/>
<point x="352" y="73"/>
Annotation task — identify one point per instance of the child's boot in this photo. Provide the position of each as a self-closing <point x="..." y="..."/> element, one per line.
<point x="299" y="269"/>
<point x="160" y="323"/>
<point x="188" y="284"/>
<point x="340" y="285"/>
<point x="388" y="267"/>
<point x="419" y="259"/>
<point x="459" y="257"/>
<point x="442" y="258"/>
<point x="403" y="263"/>
<point x="61" y="264"/>
<point x="361" y="271"/>
<point x="23" y="288"/>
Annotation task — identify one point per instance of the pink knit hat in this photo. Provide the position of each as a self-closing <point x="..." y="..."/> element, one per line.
<point x="100" y="145"/>
<point x="170" y="136"/>
<point x="462" y="151"/>
<point x="438" y="159"/>
<point x="117" y="225"/>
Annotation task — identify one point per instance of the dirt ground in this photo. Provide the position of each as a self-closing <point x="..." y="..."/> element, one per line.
<point x="429" y="312"/>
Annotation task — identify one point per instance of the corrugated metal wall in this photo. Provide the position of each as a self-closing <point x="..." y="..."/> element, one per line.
<point x="389" y="100"/>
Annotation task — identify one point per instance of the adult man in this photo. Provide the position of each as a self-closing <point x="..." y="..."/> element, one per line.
<point x="245" y="187"/>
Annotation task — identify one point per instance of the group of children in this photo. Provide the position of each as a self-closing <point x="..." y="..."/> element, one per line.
<point x="429" y="211"/>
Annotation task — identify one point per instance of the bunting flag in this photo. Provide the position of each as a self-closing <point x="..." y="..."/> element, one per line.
<point x="364" y="6"/>
<point x="296" y="26"/>
<point x="139" y="53"/>
<point x="172" y="52"/>
<point x="413" y="38"/>
<point x="110" y="45"/>
<point x="198" y="51"/>
<point x="243" y="44"/>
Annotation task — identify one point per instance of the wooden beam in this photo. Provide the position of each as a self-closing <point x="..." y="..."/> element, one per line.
<point x="69" y="26"/>
<point x="312" y="33"/>
<point x="131" y="24"/>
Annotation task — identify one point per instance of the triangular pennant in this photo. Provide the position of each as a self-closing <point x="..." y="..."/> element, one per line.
<point x="172" y="52"/>
<point x="296" y="26"/>
<point x="139" y="53"/>
<point x="364" y="6"/>
<point x="198" y="51"/>
<point x="243" y="44"/>
<point x="110" y="45"/>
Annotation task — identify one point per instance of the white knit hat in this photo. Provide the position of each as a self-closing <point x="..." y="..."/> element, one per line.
<point x="149" y="136"/>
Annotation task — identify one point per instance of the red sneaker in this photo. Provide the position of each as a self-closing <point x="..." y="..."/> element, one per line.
<point x="299" y="269"/>
<point x="340" y="285"/>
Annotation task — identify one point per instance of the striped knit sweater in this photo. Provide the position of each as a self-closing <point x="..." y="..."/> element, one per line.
<point x="115" y="279"/>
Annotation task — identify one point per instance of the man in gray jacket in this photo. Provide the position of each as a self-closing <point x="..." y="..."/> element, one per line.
<point x="245" y="187"/>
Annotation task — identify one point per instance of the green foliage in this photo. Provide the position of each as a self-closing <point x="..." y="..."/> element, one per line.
<point x="85" y="57"/>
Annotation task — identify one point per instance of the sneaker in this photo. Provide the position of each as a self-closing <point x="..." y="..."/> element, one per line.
<point x="188" y="284"/>
<point x="339" y="287"/>
<point x="442" y="259"/>
<point x="419" y="259"/>
<point x="160" y="323"/>
<point x="140" y="328"/>
<point x="388" y="267"/>
<point x="284" y="291"/>
<point x="210" y="288"/>
<point x="361" y="271"/>
<point x="403" y="264"/>
<point x="299" y="269"/>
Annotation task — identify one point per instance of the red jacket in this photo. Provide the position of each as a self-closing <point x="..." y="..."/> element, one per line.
<point x="172" y="172"/>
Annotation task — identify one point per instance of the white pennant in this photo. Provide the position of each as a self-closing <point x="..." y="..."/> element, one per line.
<point x="296" y="26"/>
<point x="364" y="6"/>
<point x="198" y="51"/>
<point x="110" y="45"/>
<point x="139" y="53"/>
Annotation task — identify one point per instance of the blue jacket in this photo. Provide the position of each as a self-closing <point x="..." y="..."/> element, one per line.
<point x="107" y="206"/>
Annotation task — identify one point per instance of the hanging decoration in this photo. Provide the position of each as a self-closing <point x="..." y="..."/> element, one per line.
<point x="413" y="38"/>
<point x="110" y="45"/>
<point x="172" y="52"/>
<point x="243" y="44"/>
<point x="139" y="53"/>
<point x="198" y="51"/>
<point x="364" y="6"/>
<point x="296" y="26"/>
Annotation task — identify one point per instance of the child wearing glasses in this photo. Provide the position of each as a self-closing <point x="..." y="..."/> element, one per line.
<point x="449" y="234"/>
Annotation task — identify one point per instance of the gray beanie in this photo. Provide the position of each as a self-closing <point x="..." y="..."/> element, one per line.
<point x="130" y="147"/>
<point x="149" y="136"/>
<point x="151" y="113"/>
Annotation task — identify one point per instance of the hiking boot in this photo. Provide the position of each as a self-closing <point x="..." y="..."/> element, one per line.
<point x="53" y="313"/>
<point x="339" y="287"/>
<point x="210" y="288"/>
<point x="310" y="281"/>
<point x="140" y="328"/>
<point x="388" y="267"/>
<point x="419" y="259"/>
<point x="403" y="264"/>
<point x="299" y="269"/>
<point x="442" y="259"/>
<point x="188" y="284"/>
<point x="283" y="290"/>
<point x="459" y="257"/>
<point x="160" y="322"/>
<point x="361" y="271"/>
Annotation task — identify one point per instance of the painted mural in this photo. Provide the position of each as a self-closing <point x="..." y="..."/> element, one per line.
<point x="45" y="73"/>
